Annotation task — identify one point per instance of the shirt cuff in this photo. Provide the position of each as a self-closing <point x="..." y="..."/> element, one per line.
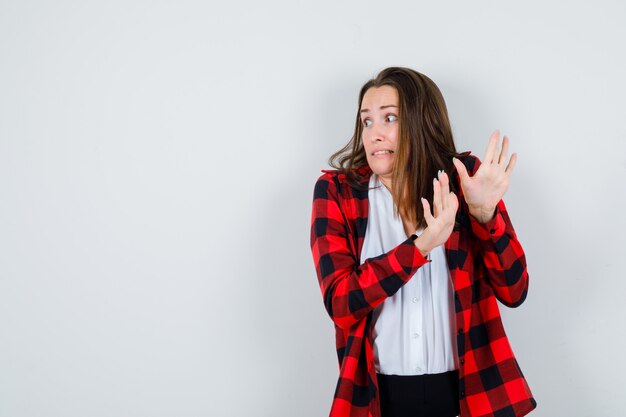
<point x="411" y="240"/>
<point x="494" y="228"/>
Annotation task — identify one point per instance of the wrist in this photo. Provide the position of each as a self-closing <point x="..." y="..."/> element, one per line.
<point x="481" y="214"/>
<point x="424" y="249"/>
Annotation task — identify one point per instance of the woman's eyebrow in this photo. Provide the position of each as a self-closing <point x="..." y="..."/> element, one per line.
<point x="381" y="107"/>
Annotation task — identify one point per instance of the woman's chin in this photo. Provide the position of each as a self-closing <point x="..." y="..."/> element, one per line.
<point x="380" y="167"/>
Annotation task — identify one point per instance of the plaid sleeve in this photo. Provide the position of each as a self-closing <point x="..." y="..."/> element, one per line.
<point x="351" y="290"/>
<point x="504" y="260"/>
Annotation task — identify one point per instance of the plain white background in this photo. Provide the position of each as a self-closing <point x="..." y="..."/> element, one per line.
<point x="157" y="163"/>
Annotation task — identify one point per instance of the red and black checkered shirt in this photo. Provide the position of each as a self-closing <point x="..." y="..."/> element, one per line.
<point x="486" y="262"/>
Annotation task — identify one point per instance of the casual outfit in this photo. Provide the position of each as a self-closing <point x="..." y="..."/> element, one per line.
<point x="412" y="330"/>
<point x="407" y="327"/>
<point x="412" y="333"/>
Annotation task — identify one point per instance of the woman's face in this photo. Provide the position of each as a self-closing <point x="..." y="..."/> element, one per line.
<point x="380" y="120"/>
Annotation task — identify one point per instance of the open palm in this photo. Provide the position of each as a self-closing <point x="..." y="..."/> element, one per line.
<point x="486" y="188"/>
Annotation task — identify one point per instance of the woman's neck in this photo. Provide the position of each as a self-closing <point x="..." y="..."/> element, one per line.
<point x="387" y="183"/>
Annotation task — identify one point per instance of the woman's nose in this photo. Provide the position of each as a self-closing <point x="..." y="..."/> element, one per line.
<point x="378" y="133"/>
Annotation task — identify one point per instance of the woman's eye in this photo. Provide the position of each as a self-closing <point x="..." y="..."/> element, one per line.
<point x="392" y="117"/>
<point x="366" y="121"/>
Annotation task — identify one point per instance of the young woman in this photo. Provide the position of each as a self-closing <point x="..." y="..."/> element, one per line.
<point x="413" y="247"/>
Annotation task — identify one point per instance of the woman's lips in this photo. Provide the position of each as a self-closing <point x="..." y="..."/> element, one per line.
<point x="382" y="155"/>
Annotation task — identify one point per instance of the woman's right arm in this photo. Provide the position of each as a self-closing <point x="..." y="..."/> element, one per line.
<point x="351" y="290"/>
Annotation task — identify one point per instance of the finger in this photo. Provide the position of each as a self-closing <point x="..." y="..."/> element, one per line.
<point x="505" y="149"/>
<point x="453" y="204"/>
<point x="427" y="215"/>
<point x="492" y="146"/>
<point x="512" y="162"/>
<point x="436" y="197"/>
<point x="460" y="168"/>
<point x="445" y="188"/>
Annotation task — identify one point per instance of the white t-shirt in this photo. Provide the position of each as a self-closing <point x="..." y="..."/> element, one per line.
<point x="413" y="330"/>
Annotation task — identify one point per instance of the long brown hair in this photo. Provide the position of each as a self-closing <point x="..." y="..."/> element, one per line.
<point x="425" y="143"/>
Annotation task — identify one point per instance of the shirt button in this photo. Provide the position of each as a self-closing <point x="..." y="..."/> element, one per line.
<point x="462" y="361"/>
<point x="492" y="231"/>
<point x="418" y="369"/>
<point x="460" y="331"/>
<point x="415" y="299"/>
<point x="416" y="335"/>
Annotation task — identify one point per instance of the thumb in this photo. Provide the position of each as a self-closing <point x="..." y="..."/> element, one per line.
<point x="427" y="214"/>
<point x="460" y="168"/>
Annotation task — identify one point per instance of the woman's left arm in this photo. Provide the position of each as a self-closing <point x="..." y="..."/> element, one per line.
<point x="503" y="257"/>
<point x="504" y="260"/>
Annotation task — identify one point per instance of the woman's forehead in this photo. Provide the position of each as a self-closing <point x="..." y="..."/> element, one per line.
<point x="379" y="96"/>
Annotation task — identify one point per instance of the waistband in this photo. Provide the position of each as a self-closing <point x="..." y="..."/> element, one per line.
<point x="444" y="377"/>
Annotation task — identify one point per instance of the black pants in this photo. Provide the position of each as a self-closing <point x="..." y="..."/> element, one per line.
<point x="433" y="395"/>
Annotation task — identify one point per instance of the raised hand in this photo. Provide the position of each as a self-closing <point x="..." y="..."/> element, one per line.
<point x="486" y="188"/>
<point x="441" y="222"/>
